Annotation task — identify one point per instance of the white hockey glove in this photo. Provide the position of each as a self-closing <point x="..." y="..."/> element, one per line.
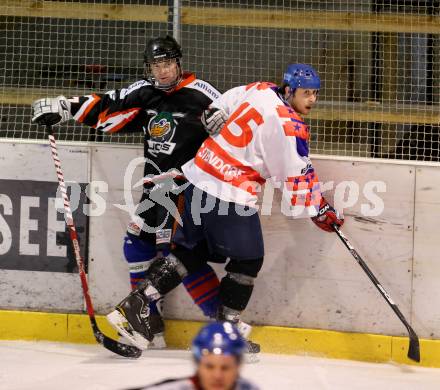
<point x="51" y="111"/>
<point x="213" y="120"/>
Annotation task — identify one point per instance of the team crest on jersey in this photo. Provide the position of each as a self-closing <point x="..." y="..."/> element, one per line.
<point x="161" y="128"/>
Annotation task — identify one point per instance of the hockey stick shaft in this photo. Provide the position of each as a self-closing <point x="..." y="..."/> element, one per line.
<point x="113" y="345"/>
<point x="414" y="346"/>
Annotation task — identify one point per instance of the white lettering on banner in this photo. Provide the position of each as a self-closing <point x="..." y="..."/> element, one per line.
<point x="53" y="226"/>
<point x="227" y="170"/>
<point x="33" y="234"/>
<point x="27" y="224"/>
<point x="5" y="230"/>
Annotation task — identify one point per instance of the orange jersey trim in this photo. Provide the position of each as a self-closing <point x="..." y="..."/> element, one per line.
<point x="189" y="78"/>
<point x="90" y="105"/>
<point x="126" y="116"/>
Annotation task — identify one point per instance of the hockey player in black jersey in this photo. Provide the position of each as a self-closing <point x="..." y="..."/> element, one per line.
<point x="166" y="106"/>
<point x="218" y="352"/>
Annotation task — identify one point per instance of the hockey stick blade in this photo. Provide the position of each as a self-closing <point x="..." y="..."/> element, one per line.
<point x="125" y="350"/>
<point x="414" y="345"/>
<point x="121" y="349"/>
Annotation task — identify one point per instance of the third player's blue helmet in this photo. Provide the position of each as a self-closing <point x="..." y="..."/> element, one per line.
<point x="218" y="338"/>
<point x="301" y="76"/>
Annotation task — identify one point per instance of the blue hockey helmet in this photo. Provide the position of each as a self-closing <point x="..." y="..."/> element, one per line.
<point x="218" y="338"/>
<point x="301" y="76"/>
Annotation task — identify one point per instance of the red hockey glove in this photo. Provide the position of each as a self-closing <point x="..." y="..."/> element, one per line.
<point x="327" y="216"/>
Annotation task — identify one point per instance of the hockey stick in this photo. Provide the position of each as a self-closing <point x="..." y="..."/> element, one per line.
<point x="414" y="346"/>
<point x="112" y="345"/>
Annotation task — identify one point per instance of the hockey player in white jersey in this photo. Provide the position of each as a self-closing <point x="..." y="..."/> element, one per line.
<point x="263" y="138"/>
<point x="218" y="353"/>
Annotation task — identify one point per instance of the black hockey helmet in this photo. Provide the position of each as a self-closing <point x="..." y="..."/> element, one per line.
<point x="162" y="49"/>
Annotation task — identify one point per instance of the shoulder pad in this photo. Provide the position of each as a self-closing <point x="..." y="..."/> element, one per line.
<point x="205" y="88"/>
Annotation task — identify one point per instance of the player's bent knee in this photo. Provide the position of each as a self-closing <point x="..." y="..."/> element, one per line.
<point x="166" y="273"/>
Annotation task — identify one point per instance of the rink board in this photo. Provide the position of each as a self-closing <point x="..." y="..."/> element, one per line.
<point x="75" y="328"/>
<point x="308" y="281"/>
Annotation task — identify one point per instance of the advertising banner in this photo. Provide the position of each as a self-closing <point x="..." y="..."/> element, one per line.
<point x="34" y="235"/>
<point x="37" y="267"/>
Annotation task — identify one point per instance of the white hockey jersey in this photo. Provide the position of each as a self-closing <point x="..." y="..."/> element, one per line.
<point x="264" y="138"/>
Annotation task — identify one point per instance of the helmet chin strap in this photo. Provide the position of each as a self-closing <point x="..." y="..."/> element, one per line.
<point x="288" y="95"/>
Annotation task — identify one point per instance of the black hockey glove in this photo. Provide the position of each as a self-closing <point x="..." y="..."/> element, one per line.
<point x="213" y="120"/>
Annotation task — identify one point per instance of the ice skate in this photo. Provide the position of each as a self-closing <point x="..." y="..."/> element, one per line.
<point x="158" y="341"/>
<point x="156" y="319"/>
<point x="132" y="319"/>
<point x="157" y="326"/>
<point x="252" y="349"/>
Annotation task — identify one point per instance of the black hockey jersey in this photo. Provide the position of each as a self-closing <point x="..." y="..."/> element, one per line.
<point x="170" y="121"/>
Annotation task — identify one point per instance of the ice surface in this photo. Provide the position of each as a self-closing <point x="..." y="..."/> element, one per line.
<point x="50" y="366"/>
